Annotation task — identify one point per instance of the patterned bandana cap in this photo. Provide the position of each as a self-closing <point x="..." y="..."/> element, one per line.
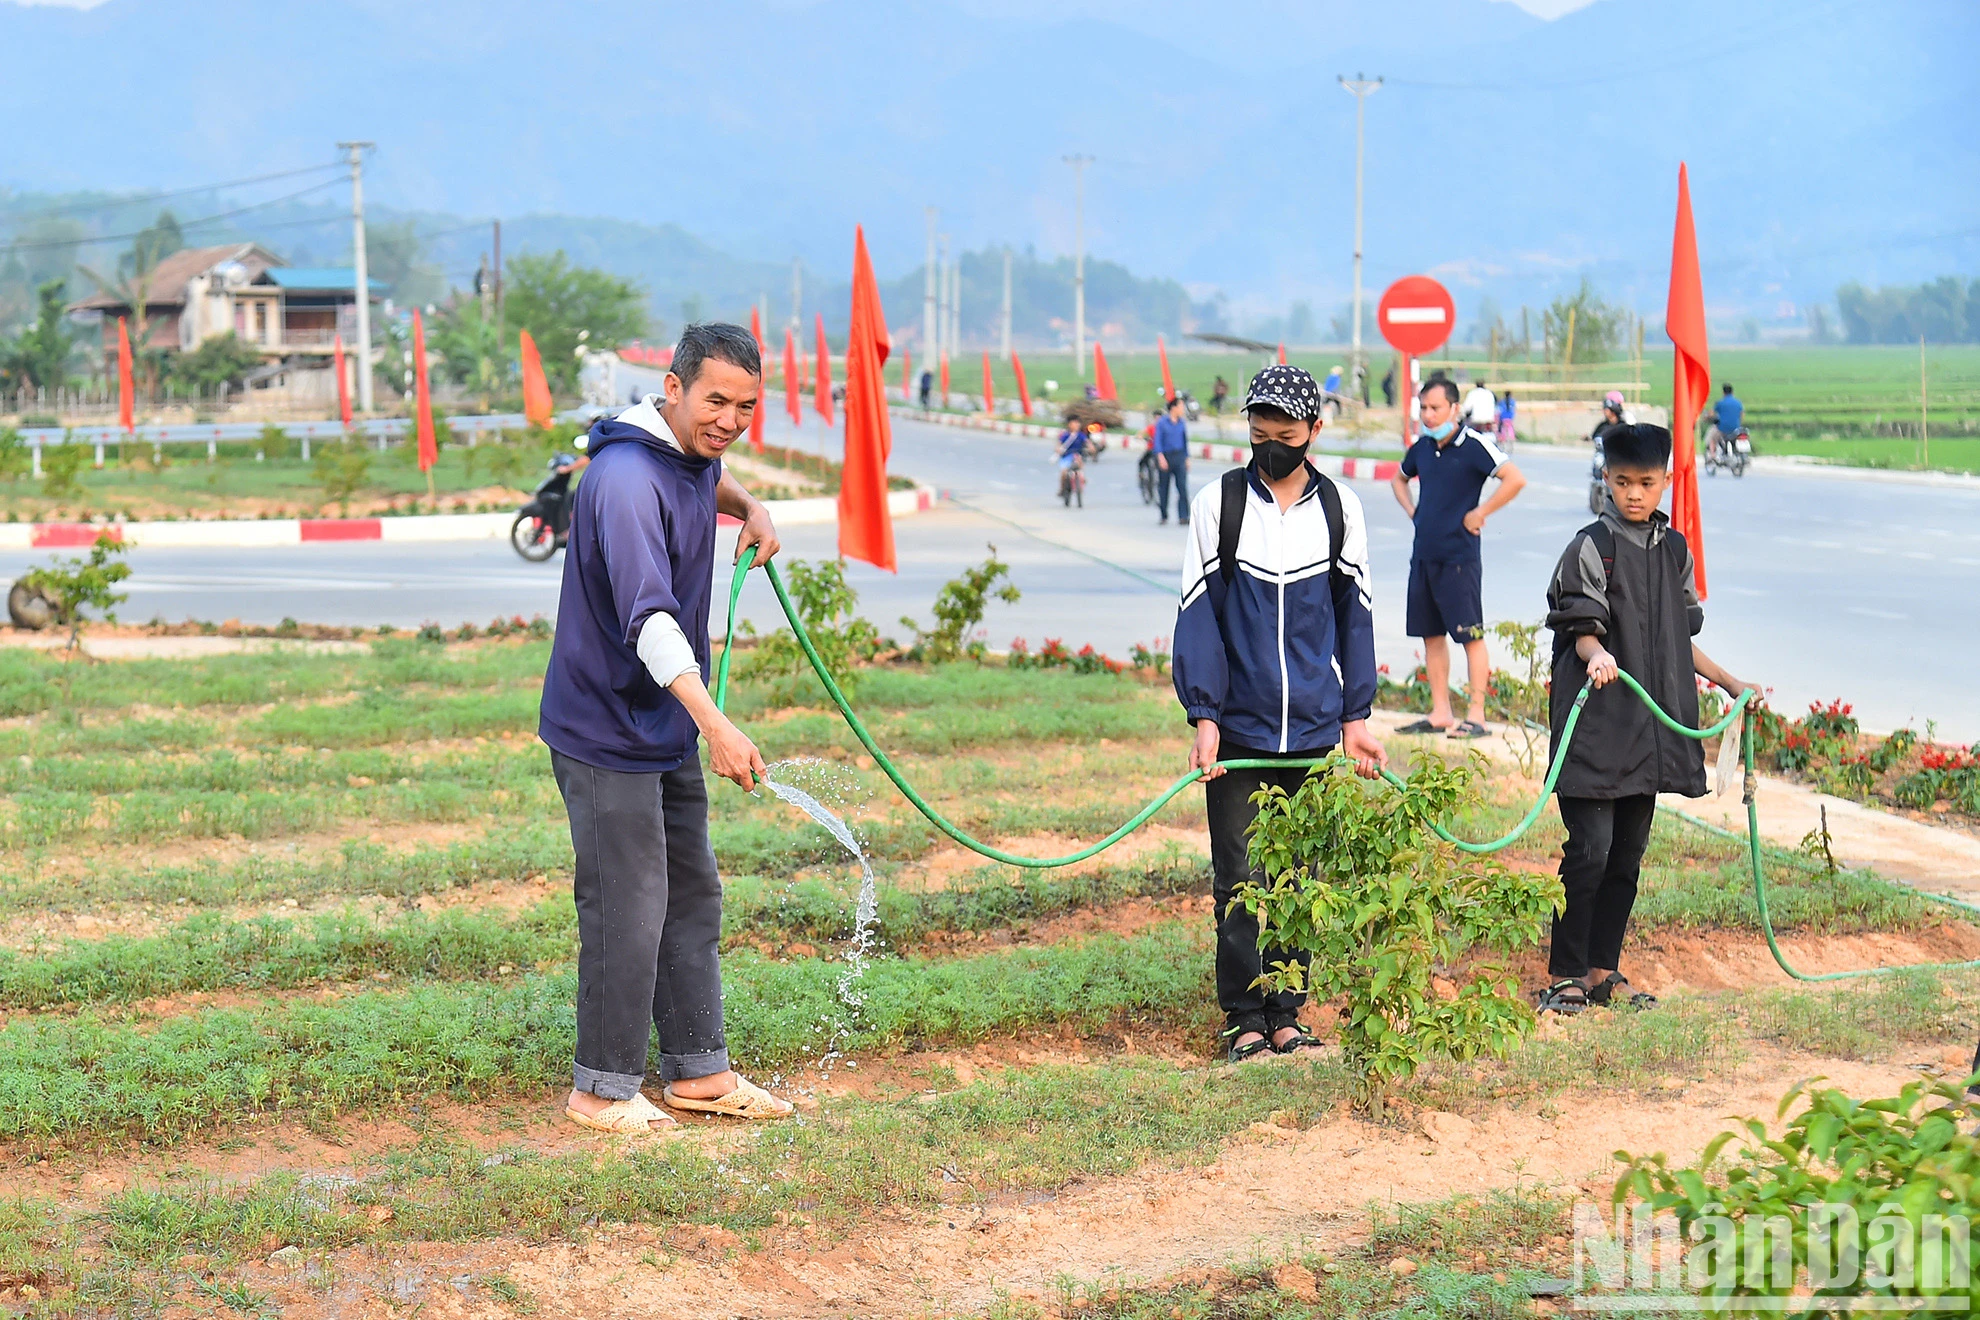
<point x="1291" y="390"/>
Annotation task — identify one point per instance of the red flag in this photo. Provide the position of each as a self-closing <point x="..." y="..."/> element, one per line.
<point x="823" y="389"/>
<point x="1103" y="379"/>
<point x="792" y="402"/>
<point x="945" y="380"/>
<point x="907" y="376"/>
<point x="1282" y="353"/>
<point x="343" y="385"/>
<point x="866" y="529"/>
<point x="1691" y="379"/>
<point x="126" y="387"/>
<point x="1024" y="393"/>
<point x="429" y="449"/>
<point x="537" y="405"/>
<point x="758" y="417"/>
<point x="989" y="400"/>
<point x="1168" y="382"/>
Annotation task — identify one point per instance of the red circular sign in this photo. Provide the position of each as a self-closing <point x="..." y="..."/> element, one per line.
<point x="1416" y="315"/>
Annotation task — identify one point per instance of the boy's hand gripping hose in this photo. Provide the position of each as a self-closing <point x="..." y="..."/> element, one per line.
<point x="1738" y="712"/>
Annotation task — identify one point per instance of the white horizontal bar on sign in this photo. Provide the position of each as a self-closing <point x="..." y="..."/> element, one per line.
<point x="1416" y="316"/>
<point x="228" y="531"/>
<point x="445" y="527"/>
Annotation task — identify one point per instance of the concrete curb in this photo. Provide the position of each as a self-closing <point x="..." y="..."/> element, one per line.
<point x="255" y="533"/>
<point x="1334" y="465"/>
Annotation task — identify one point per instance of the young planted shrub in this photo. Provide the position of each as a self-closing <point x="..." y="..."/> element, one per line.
<point x="1356" y="878"/>
<point x="826" y="602"/>
<point x="958" y="608"/>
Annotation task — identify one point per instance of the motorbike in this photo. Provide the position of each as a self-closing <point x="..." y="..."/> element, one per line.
<point x="1148" y="476"/>
<point x="542" y="525"/>
<point x="1598" y="490"/>
<point x="1730" y="455"/>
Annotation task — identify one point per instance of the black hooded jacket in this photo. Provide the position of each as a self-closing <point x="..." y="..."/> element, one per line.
<point x="1644" y="608"/>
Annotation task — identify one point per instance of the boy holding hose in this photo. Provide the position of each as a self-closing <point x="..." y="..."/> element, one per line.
<point x="1622" y="598"/>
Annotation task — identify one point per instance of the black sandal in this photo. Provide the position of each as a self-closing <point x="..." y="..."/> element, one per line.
<point x="1565" y="997"/>
<point x="1301" y="1039"/>
<point x="1603" y="992"/>
<point x="1424" y="727"/>
<point x="1240" y="1026"/>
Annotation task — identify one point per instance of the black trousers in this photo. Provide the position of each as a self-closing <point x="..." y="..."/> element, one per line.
<point x="1240" y="962"/>
<point x="1599" y="869"/>
<point x="649" y="910"/>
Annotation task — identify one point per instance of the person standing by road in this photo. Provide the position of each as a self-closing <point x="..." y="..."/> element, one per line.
<point x="624" y="708"/>
<point x="1274" y="658"/>
<point x="1389" y="387"/>
<point x="1508" y="418"/>
<point x="1450" y="462"/>
<point x="1220" y="394"/>
<point x="1172" y="459"/>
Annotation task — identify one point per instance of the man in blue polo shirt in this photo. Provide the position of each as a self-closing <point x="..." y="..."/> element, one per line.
<point x="1450" y="462"/>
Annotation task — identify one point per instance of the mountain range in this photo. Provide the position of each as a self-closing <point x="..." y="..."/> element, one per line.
<point x="1511" y="156"/>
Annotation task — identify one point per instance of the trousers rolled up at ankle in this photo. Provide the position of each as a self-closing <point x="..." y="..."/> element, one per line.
<point x="649" y="910"/>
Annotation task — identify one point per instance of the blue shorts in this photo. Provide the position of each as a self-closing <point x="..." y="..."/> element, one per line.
<point x="1446" y="596"/>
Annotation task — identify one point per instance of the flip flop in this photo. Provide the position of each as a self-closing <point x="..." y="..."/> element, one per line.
<point x="748" y="1100"/>
<point x="1421" y="727"/>
<point x="1470" y="729"/>
<point x="625" y="1118"/>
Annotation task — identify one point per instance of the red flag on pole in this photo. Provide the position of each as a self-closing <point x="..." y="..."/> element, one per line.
<point x="907" y="376"/>
<point x="343" y="385"/>
<point x="823" y="388"/>
<point x="126" y="387"/>
<point x="537" y="405"/>
<point x="989" y="399"/>
<point x="866" y="528"/>
<point x="1024" y="392"/>
<point x="1168" y="382"/>
<point x="1103" y="379"/>
<point x="792" y="402"/>
<point x="429" y="449"/>
<point x="757" y="418"/>
<point x="1282" y="353"/>
<point x="1691" y="379"/>
<point x="945" y="380"/>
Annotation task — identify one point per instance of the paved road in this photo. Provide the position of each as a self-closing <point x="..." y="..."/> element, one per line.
<point x="1820" y="588"/>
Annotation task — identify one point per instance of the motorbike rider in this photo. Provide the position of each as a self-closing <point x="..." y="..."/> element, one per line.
<point x="1729" y="414"/>
<point x="1615" y="412"/>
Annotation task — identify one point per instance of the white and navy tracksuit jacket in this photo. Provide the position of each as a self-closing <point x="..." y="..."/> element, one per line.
<point x="1292" y="658"/>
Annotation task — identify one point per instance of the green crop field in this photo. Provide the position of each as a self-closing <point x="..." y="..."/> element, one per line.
<point x="286" y="955"/>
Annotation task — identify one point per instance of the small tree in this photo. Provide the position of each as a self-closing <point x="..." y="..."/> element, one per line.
<point x="555" y="301"/>
<point x="1357" y="879"/>
<point x="341" y="470"/>
<point x="72" y="585"/>
<point x="825" y="601"/>
<point x="274" y="441"/>
<point x="959" y="606"/>
<point x="61" y="469"/>
<point x="15" y="459"/>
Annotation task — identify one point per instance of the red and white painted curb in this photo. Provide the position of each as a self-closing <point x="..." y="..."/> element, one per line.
<point x="1334" y="465"/>
<point x="258" y="532"/>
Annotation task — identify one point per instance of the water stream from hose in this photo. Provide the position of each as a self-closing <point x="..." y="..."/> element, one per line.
<point x="866" y="910"/>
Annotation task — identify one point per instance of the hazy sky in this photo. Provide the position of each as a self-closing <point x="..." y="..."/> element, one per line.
<point x="1542" y="8"/>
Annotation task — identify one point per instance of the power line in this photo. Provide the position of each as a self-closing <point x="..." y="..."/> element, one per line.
<point x="183" y="224"/>
<point x="146" y="199"/>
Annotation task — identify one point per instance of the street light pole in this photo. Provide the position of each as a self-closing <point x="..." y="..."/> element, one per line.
<point x="1079" y="164"/>
<point x="363" y="272"/>
<point x="1361" y="88"/>
<point x="1005" y="347"/>
<point x="929" y="349"/>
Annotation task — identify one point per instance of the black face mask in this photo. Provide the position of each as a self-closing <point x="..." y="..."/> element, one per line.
<point x="1277" y="460"/>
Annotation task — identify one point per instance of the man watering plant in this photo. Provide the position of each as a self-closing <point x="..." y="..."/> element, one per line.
<point x="1274" y="660"/>
<point x="624" y="708"/>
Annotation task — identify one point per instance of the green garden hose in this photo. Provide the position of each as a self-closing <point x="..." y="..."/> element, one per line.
<point x="1739" y="711"/>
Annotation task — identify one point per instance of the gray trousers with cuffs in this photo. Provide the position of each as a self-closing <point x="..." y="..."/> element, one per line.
<point x="649" y="909"/>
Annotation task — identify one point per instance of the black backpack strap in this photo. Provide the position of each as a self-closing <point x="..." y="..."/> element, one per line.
<point x="1330" y="505"/>
<point x="1604" y="538"/>
<point x="1230" y="522"/>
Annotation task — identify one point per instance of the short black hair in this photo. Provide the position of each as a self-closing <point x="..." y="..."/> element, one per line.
<point x="719" y="340"/>
<point x="1174" y="401"/>
<point x="1727" y="387"/>
<point x="1638" y="445"/>
<point x="1449" y="387"/>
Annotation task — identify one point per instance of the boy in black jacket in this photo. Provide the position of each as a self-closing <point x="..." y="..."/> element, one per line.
<point x="1621" y="598"/>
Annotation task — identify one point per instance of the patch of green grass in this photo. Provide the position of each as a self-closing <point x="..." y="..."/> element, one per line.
<point x="1347" y="1288"/>
<point x="1861" y="1020"/>
<point x="90" y="1077"/>
<point x="1456" y="1229"/>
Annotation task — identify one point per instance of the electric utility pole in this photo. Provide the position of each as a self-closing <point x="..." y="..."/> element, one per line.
<point x="1079" y="164"/>
<point x="929" y="349"/>
<point x="1361" y="89"/>
<point x="1005" y="347"/>
<point x="797" y="290"/>
<point x="942" y="344"/>
<point x="357" y="150"/>
<point x="955" y="309"/>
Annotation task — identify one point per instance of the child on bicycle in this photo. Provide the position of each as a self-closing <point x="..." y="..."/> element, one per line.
<point x="1622" y="598"/>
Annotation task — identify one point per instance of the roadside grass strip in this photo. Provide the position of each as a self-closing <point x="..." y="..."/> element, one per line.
<point x="90" y="1077"/>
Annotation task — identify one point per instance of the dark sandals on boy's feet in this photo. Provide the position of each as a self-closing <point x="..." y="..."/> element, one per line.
<point x="1469" y="729"/>
<point x="1603" y="992"/>
<point x="1564" y="996"/>
<point x="1251" y="1049"/>
<point x="1301" y="1039"/>
<point x="1424" y="727"/>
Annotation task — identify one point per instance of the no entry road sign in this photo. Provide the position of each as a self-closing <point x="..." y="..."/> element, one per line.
<point x="1416" y="315"/>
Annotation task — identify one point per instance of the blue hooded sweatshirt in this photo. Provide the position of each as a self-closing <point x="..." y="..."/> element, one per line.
<point x="642" y="540"/>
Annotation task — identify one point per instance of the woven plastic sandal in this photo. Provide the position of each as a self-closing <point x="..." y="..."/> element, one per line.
<point x="748" y="1100"/>
<point x="625" y="1118"/>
